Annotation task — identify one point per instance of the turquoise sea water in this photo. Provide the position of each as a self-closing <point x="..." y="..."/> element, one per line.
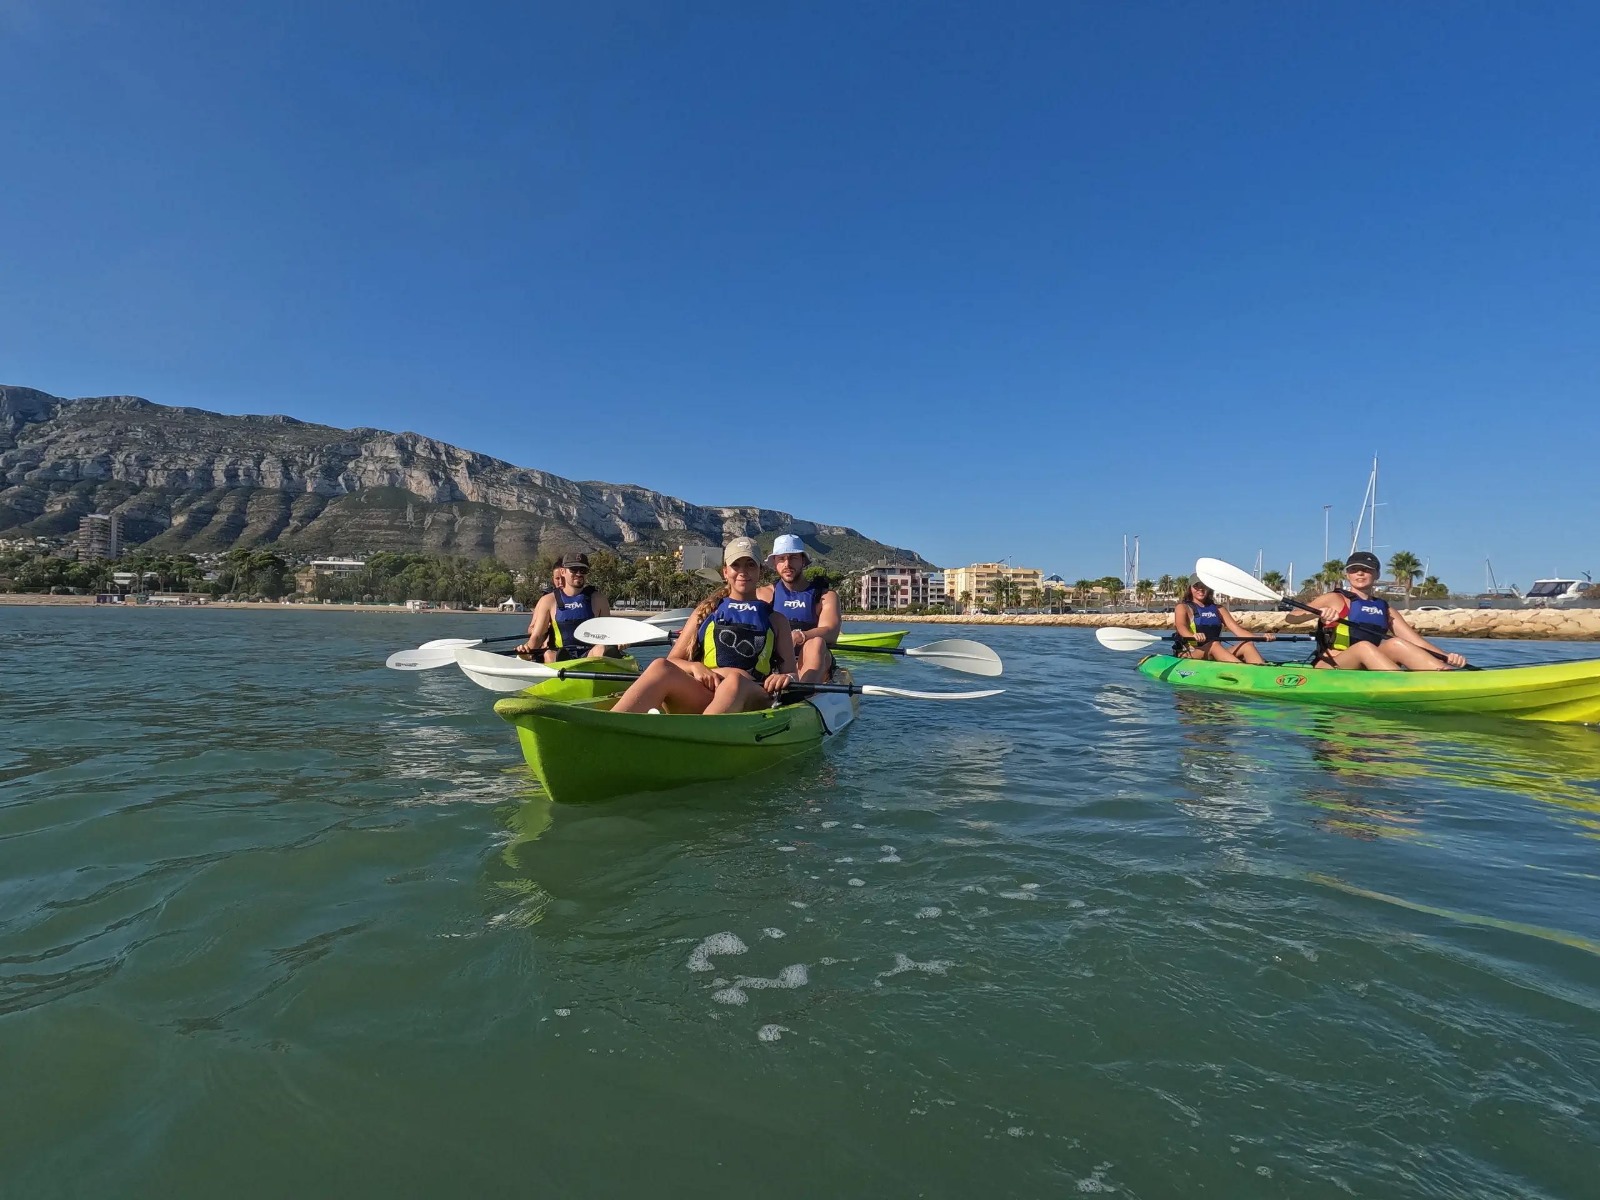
<point x="275" y="920"/>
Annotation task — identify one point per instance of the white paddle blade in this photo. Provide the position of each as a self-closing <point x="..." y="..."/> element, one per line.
<point x="1228" y="580"/>
<point x="1126" y="639"/>
<point x="674" y="616"/>
<point x="619" y="631"/>
<point x="958" y="654"/>
<point x="871" y="689"/>
<point x="499" y="673"/>
<point x="452" y="642"/>
<point x="423" y="658"/>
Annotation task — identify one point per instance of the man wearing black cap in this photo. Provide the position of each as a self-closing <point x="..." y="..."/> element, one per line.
<point x="1361" y="632"/>
<point x="557" y="615"/>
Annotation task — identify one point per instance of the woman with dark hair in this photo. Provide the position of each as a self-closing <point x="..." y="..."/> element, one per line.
<point x="1199" y="622"/>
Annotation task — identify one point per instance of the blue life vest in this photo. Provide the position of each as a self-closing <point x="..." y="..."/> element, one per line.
<point x="1206" y="621"/>
<point x="571" y="611"/>
<point x="1364" y="621"/>
<point x="738" y="633"/>
<point x="802" y="607"/>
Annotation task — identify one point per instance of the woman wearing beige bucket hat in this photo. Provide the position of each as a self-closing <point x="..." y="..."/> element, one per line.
<point x="734" y="654"/>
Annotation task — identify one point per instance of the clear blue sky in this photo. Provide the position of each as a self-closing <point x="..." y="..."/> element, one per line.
<point x="1034" y="275"/>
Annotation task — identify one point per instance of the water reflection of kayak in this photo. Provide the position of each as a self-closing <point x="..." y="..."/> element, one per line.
<point x="1560" y="692"/>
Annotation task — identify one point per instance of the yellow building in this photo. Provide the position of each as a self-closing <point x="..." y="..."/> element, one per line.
<point x="976" y="582"/>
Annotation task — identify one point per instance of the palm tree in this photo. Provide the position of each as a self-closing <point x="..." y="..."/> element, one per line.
<point x="1164" y="585"/>
<point x="1274" y="580"/>
<point x="1144" y="589"/>
<point x="1332" y="573"/>
<point x="1432" y="589"/>
<point x="1404" y="567"/>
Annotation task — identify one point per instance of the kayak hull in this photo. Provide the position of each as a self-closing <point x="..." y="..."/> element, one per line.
<point x="887" y="640"/>
<point x="582" y="752"/>
<point x="1567" y="693"/>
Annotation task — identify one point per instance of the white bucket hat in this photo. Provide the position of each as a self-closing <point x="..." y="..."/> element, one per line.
<point x="787" y="543"/>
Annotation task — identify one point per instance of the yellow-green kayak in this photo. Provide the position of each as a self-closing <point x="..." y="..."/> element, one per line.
<point x="1562" y="692"/>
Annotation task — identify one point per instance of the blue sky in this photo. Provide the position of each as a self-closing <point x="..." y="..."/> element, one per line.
<point x="985" y="281"/>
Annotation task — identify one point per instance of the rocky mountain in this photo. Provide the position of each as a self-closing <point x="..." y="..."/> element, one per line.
<point x="184" y="479"/>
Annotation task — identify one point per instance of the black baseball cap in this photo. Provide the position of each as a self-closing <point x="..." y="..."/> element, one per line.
<point x="1364" y="558"/>
<point x="573" y="560"/>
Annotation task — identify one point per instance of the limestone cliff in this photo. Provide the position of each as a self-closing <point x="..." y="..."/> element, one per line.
<point x="188" y="479"/>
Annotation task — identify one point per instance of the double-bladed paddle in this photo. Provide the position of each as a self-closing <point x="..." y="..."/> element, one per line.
<point x="499" y="675"/>
<point x="1119" y="638"/>
<point x="442" y="652"/>
<point x="958" y="654"/>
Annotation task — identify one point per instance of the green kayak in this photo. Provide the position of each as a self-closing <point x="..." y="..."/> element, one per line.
<point x="1563" y="692"/>
<point x="581" y="751"/>
<point x="889" y="639"/>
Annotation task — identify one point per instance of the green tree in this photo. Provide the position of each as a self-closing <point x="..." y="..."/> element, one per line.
<point x="1274" y="580"/>
<point x="1432" y="589"/>
<point x="1332" y="573"/>
<point x="1404" y="567"/>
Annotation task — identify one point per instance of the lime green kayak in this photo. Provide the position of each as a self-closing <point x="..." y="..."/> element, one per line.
<point x="582" y="752"/>
<point x="1564" y="692"/>
<point x="888" y="639"/>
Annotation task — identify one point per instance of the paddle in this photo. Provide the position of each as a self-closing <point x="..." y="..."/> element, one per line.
<point x="1229" y="580"/>
<point x="492" y="672"/>
<point x="426" y="658"/>
<point x="500" y="674"/>
<point x="619" y="631"/>
<point x="673" y="616"/>
<point x="872" y="689"/>
<point x="435" y="644"/>
<point x="1114" y="638"/>
<point x="958" y="654"/>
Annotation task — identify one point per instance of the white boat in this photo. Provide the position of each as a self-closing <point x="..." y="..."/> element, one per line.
<point x="1557" y="591"/>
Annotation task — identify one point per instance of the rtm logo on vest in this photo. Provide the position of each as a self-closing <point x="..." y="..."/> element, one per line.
<point x="794" y="604"/>
<point x="742" y="606"/>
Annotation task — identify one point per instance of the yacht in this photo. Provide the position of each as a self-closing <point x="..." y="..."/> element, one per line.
<point x="1557" y="591"/>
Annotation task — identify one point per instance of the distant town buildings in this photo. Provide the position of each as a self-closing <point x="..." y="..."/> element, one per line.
<point x="893" y="586"/>
<point x="99" y="536"/>
<point x="977" y="581"/>
<point x="936" y="592"/>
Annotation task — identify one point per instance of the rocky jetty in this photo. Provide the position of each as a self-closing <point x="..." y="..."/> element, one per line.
<point x="1550" y="624"/>
<point x="185" y="479"/>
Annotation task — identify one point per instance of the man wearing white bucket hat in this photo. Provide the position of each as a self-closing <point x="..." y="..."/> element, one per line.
<point x="811" y="606"/>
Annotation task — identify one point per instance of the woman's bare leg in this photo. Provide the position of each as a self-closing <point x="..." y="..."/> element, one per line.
<point x="1247" y="652"/>
<point x="664" y="684"/>
<point x="1412" y="658"/>
<point x="736" y="692"/>
<point x="1362" y="656"/>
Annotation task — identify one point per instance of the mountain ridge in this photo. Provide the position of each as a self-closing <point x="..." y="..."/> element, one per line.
<point x="188" y="479"/>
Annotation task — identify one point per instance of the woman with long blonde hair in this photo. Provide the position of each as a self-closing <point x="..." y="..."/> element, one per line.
<point x="734" y="654"/>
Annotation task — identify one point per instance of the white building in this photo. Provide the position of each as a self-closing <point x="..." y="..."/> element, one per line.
<point x="893" y="586"/>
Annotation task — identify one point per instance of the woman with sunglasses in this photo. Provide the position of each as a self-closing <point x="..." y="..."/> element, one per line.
<point x="734" y="654"/>
<point x="1361" y="631"/>
<point x="1199" y="623"/>
<point x="552" y="631"/>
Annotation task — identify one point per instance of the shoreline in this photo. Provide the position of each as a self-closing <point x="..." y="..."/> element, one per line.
<point x="1539" y="624"/>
